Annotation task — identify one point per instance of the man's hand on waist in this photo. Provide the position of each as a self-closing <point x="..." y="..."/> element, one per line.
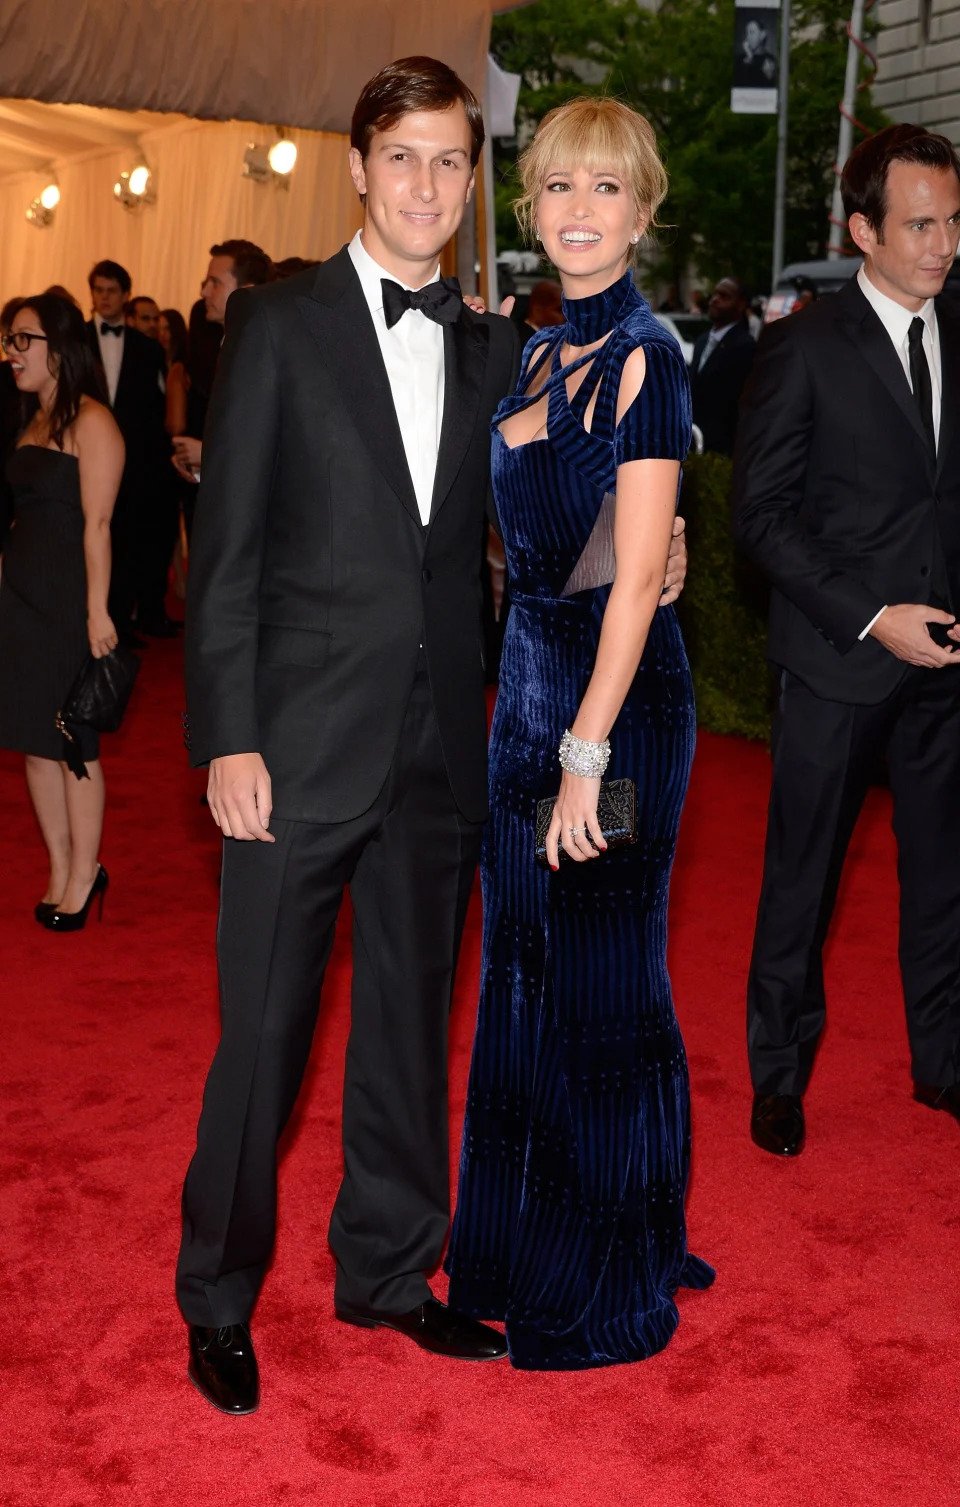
<point x="239" y="796"/>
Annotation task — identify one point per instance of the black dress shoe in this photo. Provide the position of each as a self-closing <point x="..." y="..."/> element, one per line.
<point x="947" y="1099"/>
<point x="223" y="1367"/>
<point x="434" y="1327"/>
<point x="777" y="1124"/>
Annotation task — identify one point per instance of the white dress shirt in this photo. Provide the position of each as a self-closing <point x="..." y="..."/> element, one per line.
<point x="111" y="355"/>
<point x="413" y="355"/>
<point x="713" y="340"/>
<point x="897" y="320"/>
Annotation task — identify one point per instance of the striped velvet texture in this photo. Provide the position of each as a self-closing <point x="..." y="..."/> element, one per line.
<point x="570" y="1217"/>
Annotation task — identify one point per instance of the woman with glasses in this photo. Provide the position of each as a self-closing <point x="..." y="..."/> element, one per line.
<point x="64" y="473"/>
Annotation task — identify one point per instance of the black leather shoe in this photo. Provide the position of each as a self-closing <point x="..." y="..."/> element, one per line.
<point x="939" y="1098"/>
<point x="777" y="1123"/>
<point x="434" y="1327"/>
<point x="223" y="1367"/>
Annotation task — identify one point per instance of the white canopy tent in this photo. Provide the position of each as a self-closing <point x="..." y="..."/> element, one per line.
<point x="185" y="86"/>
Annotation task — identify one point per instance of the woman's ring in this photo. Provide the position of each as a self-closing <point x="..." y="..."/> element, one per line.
<point x="574" y="831"/>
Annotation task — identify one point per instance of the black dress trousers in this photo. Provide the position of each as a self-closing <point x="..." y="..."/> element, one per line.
<point x="409" y="861"/>
<point x="823" y="756"/>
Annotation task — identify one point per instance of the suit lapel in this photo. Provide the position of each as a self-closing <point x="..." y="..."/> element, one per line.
<point x="466" y="346"/>
<point x="877" y="347"/>
<point x="337" y="316"/>
<point x="949" y="329"/>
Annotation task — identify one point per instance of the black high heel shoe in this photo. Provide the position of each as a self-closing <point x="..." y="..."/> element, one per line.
<point x="61" y="920"/>
<point x="42" y="910"/>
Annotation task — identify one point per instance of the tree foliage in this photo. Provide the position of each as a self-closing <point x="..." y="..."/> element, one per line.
<point x="674" y="64"/>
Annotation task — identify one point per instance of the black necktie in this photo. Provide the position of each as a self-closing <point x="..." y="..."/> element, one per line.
<point x="441" y="301"/>
<point x="111" y="329"/>
<point x="920" y="377"/>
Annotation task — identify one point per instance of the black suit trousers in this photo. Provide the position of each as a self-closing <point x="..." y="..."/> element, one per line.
<point x="823" y="755"/>
<point x="409" y="862"/>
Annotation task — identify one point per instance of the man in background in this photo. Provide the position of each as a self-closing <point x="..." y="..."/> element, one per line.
<point x="145" y="517"/>
<point x="721" y="363"/>
<point x="233" y="264"/>
<point x="847" y="496"/>
<point x="143" y="314"/>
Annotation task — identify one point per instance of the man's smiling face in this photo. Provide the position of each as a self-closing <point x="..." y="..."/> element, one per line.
<point x="417" y="178"/>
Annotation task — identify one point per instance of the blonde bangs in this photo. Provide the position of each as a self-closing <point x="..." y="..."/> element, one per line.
<point x="600" y="135"/>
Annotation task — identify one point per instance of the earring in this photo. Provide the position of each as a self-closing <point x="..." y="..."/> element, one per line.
<point x="634" y="240"/>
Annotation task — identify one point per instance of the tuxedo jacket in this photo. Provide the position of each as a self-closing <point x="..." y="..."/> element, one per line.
<point x="313" y="582"/>
<point x="716" y="390"/>
<point x="139" y="408"/>
<point x="838" y="494"/>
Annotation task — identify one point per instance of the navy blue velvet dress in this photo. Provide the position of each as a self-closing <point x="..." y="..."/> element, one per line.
<point x="570" y="1216"/>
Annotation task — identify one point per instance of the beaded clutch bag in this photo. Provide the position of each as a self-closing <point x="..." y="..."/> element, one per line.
<point x="616" y="814"/>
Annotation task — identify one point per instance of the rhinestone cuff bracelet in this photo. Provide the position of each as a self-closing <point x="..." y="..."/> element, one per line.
<point x="589" y="760"/>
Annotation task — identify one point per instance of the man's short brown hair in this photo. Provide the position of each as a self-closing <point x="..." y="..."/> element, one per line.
<point x="407" y="85"/>
<point x="251" y="266"/>
<point x="863" y="182"/>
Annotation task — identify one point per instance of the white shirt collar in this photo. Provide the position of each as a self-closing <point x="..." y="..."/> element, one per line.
<point x="895" y="318"/>
<point x="371" y="272"/>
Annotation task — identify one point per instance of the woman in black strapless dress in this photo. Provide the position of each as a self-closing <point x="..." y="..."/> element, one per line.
<point x="63" y="474"/>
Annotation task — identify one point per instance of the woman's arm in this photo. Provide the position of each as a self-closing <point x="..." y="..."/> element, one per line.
<point x="177" y="387"/>
<point x="100" y="453"/>
<point x="646" y="504"/>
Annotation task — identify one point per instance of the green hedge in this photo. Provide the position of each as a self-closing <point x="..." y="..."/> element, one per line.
<point x="723" y="609"/>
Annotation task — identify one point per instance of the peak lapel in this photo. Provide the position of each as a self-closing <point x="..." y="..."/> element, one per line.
<point x="466" y="346"/>
<point x="337" y="315"/>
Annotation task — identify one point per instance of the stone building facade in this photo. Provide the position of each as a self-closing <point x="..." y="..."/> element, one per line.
<point x="918" y="57"/>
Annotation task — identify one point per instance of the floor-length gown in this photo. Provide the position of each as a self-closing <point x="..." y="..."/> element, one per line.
<point x="570" y="1216"/>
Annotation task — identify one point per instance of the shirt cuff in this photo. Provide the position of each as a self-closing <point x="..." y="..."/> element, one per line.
<point x="866" y="630"/>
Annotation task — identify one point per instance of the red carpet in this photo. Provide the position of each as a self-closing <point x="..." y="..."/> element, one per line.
<point x="821" y="1368"/>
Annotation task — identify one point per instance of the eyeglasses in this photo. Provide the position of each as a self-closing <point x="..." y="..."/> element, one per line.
<point x="19" y="341"/>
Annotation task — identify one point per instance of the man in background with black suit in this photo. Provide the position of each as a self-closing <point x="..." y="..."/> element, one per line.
<point x="721" y="364"/>
<point x="847" y="495"/>
<point x="233" y="264"/>
<point x="144" y="525"/>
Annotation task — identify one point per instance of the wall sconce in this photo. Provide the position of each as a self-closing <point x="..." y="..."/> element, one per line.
<point x="41" y="210"/>
<point x="263" y="164"/>
<point x="136" y="187"/>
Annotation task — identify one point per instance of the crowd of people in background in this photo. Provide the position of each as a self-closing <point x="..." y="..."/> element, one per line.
<point x="154" y="368"/>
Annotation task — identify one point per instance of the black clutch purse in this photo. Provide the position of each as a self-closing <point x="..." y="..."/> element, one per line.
<point x="616" y="814"/>
<point x="98" y="699"/>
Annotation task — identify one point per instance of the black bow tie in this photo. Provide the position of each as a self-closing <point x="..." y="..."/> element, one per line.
<point x="111" y="329"/>
<point x="441" y="301"/>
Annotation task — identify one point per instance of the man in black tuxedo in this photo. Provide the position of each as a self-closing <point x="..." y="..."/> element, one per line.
<point x="721" y="364"/>
<point x="848" y="497"/>
<point x="335" y="685"/>
<point x="144" y="524"/>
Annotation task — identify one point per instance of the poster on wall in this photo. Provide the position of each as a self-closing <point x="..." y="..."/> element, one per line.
<point x="756" y="57"/>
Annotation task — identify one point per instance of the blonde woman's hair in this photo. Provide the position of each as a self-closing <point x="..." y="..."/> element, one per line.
<point x="602" y="135"/>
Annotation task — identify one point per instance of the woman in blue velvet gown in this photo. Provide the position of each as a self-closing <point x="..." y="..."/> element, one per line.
<point x="570" y="1216"/>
